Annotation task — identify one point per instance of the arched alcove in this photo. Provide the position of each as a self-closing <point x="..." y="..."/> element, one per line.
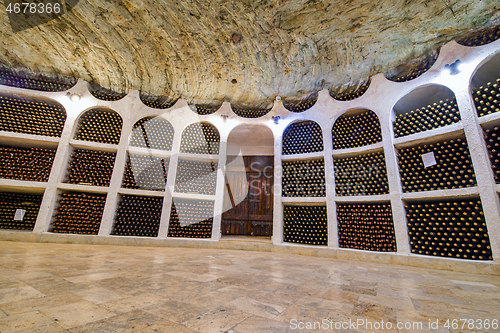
<point x="356" y="128"/>
<point x="106" y="94"/>
<point x="424" y="108"/>
<point x="99" y="125"/>
<point x="302" y="137"/>
<point x="31" y="81"/>
<point x="248" y="194"/>
<point x="200" y="138"/>
<point x="158" y="102"/>
<point x="152" y="132"/>
<point x="485" y="87"/>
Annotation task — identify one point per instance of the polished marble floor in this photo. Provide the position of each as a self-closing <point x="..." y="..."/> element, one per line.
<point x="95" y="288"/>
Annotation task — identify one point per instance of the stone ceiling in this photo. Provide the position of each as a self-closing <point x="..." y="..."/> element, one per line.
<point x="245" y="52"/>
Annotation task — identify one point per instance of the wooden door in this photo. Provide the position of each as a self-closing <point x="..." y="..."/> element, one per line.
<point x="253" y="216"/>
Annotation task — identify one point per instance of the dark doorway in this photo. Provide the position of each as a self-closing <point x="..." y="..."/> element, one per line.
<point x="253" y="216"/>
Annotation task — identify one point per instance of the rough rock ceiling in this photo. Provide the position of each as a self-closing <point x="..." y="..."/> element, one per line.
<point x="245" y="52"/>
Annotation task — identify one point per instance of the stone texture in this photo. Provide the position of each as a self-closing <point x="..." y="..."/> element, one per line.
<point x="189" y="49"/>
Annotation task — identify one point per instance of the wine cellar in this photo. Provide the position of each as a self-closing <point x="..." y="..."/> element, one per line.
<point x="404" y="169"/>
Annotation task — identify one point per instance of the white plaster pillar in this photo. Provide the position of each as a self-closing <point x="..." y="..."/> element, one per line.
<point x="331" y="205"/>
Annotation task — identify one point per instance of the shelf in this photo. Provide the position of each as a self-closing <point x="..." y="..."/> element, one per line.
<point x="456" y="193"/>
<point x="82" y="188"/>
<point x="93" y="146"/>
<point x="148" y="151"/>
<point x="437" y="134"/>
<point x="349" y="152"/>
<point x="303" y="200"/>
<point x="193" y="196"/>
<point x="22" y="186"/>
<point x="498" y="187"/>
<point x="299" y="157"/>
<point x="149" y="193"/>
<point x="198" y="157"/>
<point x="490" y="119"/>
<point x="363" y="198"/>
<point x="28" y="140"/>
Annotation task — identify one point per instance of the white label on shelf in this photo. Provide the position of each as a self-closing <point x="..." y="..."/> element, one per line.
<point x="429" y="159"/>
<point x="19" y="215"/>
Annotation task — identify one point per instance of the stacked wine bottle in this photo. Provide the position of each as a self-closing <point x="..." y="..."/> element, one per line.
<point x="361" y="175"/>
<point x="157" y="102"/>
<point x="487" y="99"/>
<point x="492" y="138"/>
<point x="138" y="216"/>
<point x="191" y="218"/>
<point x="9" y="78"/>
<point x="145" y="172"/>
<point x="106" y="94"/>
<point x="366" y="227"/>
<point x="432" y="116"/>
<point x="19" y="211"/>
<point x="305" y="225"/>
<point x="29" y="116"/>
<point x="89" y="167"/>
<point x="99" y="126"/>
<point x="355" y="131"/>
<point x="196" y="177"/>
<point x="482" y="37"/>
<point x="250" y="113"/>
<point x="303" y="105"/>
<point x="32" y="164"/>
<point x="350" y="93"/>
<point x="452" y="169"/>
<point x="304" y="178"/>
<point x="203" y="110"/>
<point x="454" y="229"/>
<point x="200" y="138"/>
<point x="154" y="133"/>
<point x="302" y="137"/>
<point x="79" y="213"/>
<point x="415" y="71"/>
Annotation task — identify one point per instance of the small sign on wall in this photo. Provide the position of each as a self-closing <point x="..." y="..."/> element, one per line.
<point x="429" y="159"/>
<point x="19" y="215"/>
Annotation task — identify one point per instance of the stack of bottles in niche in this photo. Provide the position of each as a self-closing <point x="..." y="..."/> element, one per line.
<point x="432" y="116"/>
<point x="9" y="78"/>
<point x="106" y="94"/>
<point x="138" y="216"/>
<point x="157" y="102"/>
<point x="355" y="131"/>
<point x="196" y="177"/>
<point x="304" y="178"/>
<point x="453" y="229"/>
<point x="191" y="218"/>
<point x="492" y="138"/>
<point x="31" y="164"/>
<point x="361" y="175"/>
<point x="19" y="211"/>
<point x="447" y="165"/>
<point x="303" y="105"/>
<point x="487" y="99"/>
<point x="204" y="110"/>
<point x="416" y="70"/>
<point x="99" y="126"/>
<point x="145" y="172"/>
<point x="78" y="213"/>
<point x="301" y="138"/>
<point x="482" y="37"/>
<point x="28" y="116"/>
<point x="89" y="167"/>
<point x="200" y="138"/>
<point x="366" y="227"/>
<point x="154" y="133"/>
<point x="352" y="92"/>
<point x="305" y="225"/>
<point x="250" y="113"/>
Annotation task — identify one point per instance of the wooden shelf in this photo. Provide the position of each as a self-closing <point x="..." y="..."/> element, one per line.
<point x="22" y="186"/>
<point x="82" y="188"/>
<point x="193" y="196"/>
<point x="490" y="119"/>
<point x="303" y="200"/>
<point x="198" y="157"/>
<point x="349" y="152"/>
<point x="300" y="157"/>
<point x="456" y="193"/>
<point x="149" y="193"/>
<point x="148" y="151"/>
<point x="93" y="146"/>
<point x="28" y="140"/>
<point x="438" y="134"/>
<point x="363" y="198"/>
